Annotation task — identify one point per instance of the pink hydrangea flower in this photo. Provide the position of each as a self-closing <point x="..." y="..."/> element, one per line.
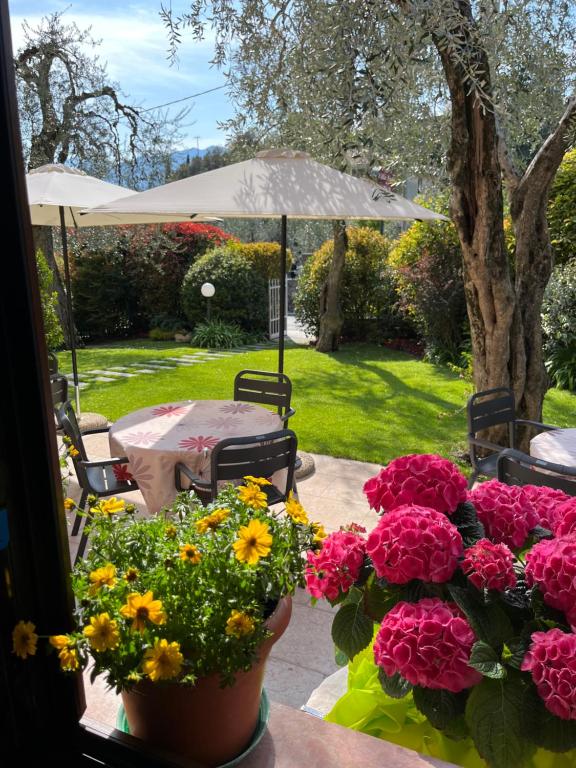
<point x="429" y="644"/>
<point x="424" y="479"/>
<point x="551" y="564"/>
<point x="336" y="566"/>
<point x="565" y="521"/>
<point x="414" y="543"/>
<point x="546" y="502"/>
<point x="551" y="660"/>
<point x="489" y="565"/>
<point x="506" y="512"/>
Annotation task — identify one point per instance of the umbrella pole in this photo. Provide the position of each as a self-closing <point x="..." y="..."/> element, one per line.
<point x="282" y="295"/>
<point x="71" y="329"/>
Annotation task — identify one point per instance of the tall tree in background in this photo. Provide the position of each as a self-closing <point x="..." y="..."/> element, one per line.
<point x="70" y="112"/>
<point x="502" y="78"/>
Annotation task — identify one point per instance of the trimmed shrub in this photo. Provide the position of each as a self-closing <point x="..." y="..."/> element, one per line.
<point x="241" y="292"/>
<point x="49" y="299"/>
<point x="561" y="207"/>
<point x="368" y="294"/>
<point x="218" y="335"/>
<point x="558" y="313"/>
<point x="264" y="257"/>
<point x="427" y="259"/>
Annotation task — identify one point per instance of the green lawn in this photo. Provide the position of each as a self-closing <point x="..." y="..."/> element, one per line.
<point x="364" y="402"/>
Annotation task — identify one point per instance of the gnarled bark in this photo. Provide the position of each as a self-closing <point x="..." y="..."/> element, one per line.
<point x="331" y="319"/>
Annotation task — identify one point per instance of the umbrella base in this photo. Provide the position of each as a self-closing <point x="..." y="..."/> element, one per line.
<point x="306" y="467"/>
<point x="92" y="421"/>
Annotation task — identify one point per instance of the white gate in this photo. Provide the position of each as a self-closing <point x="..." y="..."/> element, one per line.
<point x="274" y="308"/>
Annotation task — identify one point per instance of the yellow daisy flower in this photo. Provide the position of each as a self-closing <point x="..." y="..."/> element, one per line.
<point x="254" y="541"/>
<point x="131" y="574"/>
<point x="163" y="661"/>
<point x="102" y="577"/>
<point x="170" y="531"/>
<point x="72" y="451"/>
<point x="257" y="480"/>
<point x="109" y="506"/>
<point x="102" y="632"/>
<point x="69" y="661"/>
<point x="239" y="624"/>
<point x="143" y="608"/>
<point x="296" y="510"/>
<point x="69" y="503"/>
<point x="253" y="496"/>
<point x="60" y="641"/>
<point x="24" y="639"/>
<point x="212" y="521"/>
<point x="190" y="553"/>
<point x="319" y="532"/>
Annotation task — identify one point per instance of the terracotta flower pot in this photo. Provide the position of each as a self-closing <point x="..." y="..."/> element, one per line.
<point x="204" y="722"/>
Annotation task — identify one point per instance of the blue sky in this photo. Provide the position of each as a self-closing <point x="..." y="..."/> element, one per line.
<point x="134" y="47"/>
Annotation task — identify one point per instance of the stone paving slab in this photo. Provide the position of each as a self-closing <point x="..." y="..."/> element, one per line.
<point x="104" y="379"/>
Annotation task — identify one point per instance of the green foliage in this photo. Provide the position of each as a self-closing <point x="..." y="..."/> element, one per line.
<point x="561" y="207"/>
<point x="185" y="557"/>
<point x="352" y="630"/>
<point x="542" y="728"/>
<point x="159" y="334"/>
<point x="264" y="258"/>
<point x="558" y="312"/>
<point x="217" y="334"/>
<point x="241" y="293"/>
<point x="427" y="260"/>
<point x="440" y="707"/>
<point x="368" y="289"/>
<point x="394" y="685"/>
<point x="49" y="299"/>
<point x="485" y="659"/>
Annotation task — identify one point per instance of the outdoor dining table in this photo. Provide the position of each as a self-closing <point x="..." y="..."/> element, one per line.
<point x="156" y="438"/>
<point x="557" y="446"/>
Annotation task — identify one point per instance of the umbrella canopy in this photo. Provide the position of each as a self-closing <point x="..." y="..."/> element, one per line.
<point x="276" y="183"/>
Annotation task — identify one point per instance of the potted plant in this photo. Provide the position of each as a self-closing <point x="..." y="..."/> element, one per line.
<point x="458" y="615"/>
<point x="179" y="611"/>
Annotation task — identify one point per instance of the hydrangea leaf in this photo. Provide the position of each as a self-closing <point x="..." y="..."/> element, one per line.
<point x="352" y="630"/>
<point x="440" y="707"/>
<point x="395" y="685"/>
<point x="494" y="714"/>
<point x="468" y="524"/>
<point x="543" y="728"/>
<point x="485" y="659"/>
<point x="488" y="620"/>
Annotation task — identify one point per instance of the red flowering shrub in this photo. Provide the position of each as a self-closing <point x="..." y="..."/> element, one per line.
<point x="489" y="566"/>
<point x="429" y="644"/>
<point x="546" y="502"/>
<point x="505" y="511"/>
<point x="552" y="566"/>
<point x="423" y="479"/>
<point x="414" y="542"/>
<point x="551" y="660"/>
<point x="565" y="519"/>
<point x="336" y="567"/>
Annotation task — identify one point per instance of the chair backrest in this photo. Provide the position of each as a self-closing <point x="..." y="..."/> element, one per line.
<point x="491" y="408"/>
<point x="264" y="387"/>
<point x="517" y="468"/>
<point x="67" y="418"/>
<point x="258" y="455"/>
<point x="59" y="387"/>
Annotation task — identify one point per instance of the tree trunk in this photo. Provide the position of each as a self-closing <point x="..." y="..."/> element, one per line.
<point x="504" y="310"/>
<point x="43" y="241"/>
<point x="331" y="319"/>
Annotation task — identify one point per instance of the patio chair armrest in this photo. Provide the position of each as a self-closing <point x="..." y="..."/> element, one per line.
<point x="94" y="431"/>
<point x="481" y="443"/>
<point x="195" y="480"/>
<point x="288" y="415"/>
<point x="105" y="462"/>
<point x="534" y="461"/>
<point x="542" y="427"/>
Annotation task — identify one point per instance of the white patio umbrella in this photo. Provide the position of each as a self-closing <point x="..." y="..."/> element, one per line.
<point x="56" y="195"/>
<point x="276" y="183"/>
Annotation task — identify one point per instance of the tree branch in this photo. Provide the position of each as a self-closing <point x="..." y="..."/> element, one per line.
<point x="512" y="175"/>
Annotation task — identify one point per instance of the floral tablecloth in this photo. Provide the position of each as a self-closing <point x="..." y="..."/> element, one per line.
<point x="155" y="439"/>
<point x="557" y="446"/>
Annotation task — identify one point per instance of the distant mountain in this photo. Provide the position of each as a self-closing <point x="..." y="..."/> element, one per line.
<point x="180" y="156"/>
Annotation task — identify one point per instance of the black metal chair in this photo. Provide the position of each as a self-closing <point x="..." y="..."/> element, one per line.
<point x="59" y="387"/>
<point x="99" y="478"/>
<point x="235" y="457"/>
<point x="265" y="388"/>
<point x="517" y="468"/>
<point x="491" y="408"/>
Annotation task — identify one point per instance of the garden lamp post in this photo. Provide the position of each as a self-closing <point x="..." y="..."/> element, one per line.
<point x="207" y="291"/>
